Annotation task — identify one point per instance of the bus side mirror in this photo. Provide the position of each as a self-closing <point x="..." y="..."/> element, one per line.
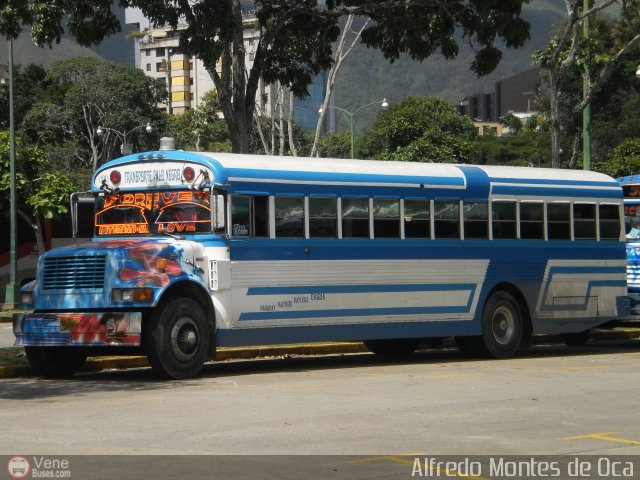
<point x="218" y="212"/>
<point x="74" y="200"/>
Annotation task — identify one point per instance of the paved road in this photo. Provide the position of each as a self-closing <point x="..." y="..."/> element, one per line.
<point x="551" y="400"/>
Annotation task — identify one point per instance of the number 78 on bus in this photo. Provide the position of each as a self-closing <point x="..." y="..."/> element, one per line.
<point x="196" y="251"/>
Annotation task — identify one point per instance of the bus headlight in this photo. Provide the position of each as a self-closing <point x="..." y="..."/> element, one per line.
<point x="26" y="299"/>
<point x="132" y="294"/>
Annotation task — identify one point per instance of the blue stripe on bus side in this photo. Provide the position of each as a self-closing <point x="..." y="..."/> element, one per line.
<point x="337" y="177"/>
<point x="556" y="192"/>
<point x="359" y="312"/>
<point x="560" y="182"/>
<point x="351" y="312"/>
<point x="299" y="290"/>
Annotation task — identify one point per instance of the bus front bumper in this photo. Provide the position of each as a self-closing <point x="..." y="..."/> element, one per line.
<point x="78" y="328"/>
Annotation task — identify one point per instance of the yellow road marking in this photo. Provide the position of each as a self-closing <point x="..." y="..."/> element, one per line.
<point x="604" y="436"/>
<point x="410" y="459"/>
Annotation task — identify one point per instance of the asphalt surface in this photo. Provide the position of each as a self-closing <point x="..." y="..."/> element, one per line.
<point x="13" y="362"/>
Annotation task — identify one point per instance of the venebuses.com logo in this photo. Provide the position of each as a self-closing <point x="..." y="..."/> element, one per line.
<point x="18" y="467"/>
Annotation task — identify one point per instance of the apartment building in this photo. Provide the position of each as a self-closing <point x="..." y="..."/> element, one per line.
<point x="187" y="80"/>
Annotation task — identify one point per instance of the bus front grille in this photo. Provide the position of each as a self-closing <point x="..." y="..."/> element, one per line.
<point x="66" y="273"/>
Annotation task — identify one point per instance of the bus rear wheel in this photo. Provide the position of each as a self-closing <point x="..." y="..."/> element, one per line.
<point x="397" y="347"/>
<point x="176" y="339"/>
<point x="56" y="362"/>
<point x="502" y="325"/>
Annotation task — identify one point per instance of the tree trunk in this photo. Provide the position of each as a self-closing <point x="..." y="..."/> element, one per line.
<point x="292" y="145"/>
<point x="554" y="120"/>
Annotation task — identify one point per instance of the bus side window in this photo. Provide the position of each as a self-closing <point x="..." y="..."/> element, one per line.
<point x="355" y="217"/>
<point x="323" y="217"/>
<point x="584" y="221"/>
<point x="261" y="216"/>
<point x="240" y="216"/>
<point x="446" y="217"/>
<point x="416" y="219"/>
<point x="558" y="216"/>
<point x="289" y="216"/>
<point x="386" y="218"/>
<point x="531" y="221"/>
<point x="503" y="217"/>
<point x="609" y="222"/>
<point x="476" y="220"/>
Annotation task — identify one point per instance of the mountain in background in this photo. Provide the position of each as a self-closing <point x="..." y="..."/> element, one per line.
<point x="366" y="76"/>
<point x="118" y="48"/>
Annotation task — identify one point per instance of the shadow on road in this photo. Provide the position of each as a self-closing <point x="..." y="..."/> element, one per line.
<point x="143" y="379"/>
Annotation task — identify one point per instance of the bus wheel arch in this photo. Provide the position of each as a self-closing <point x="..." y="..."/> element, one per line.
<point x="178" y="334"/>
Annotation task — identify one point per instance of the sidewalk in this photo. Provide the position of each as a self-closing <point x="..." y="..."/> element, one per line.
<point x="13" y="362"/>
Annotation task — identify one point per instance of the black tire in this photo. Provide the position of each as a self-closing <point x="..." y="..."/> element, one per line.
<point x="56" y="362"/>
<point x="502" y="325"/>
<point x="576" y="339"/>
<point x="397" y="348"/>
<point x="176" y="339"/>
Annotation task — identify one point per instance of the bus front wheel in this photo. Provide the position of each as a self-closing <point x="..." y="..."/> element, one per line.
<point x="56" y="362"/>
<point x="176" y="339"/>
<point x="502" y="325"/>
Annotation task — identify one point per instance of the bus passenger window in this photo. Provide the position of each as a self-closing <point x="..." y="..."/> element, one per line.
<point x="503" y="216"/>
<point x="584" y="221"/>
<point x="240" y="216"/>
<point x="323" y="217"/>
<point x="416" y="219"/>
<point x="355" y="217"/>
<point x="446" y="216"/>
<point x="476" y="220"/>
<point x="386" y="218"/>
<point x="289" y="217"/>
<point x="261" y="216"/>
<point x="609" y="222"/>
<point x="531" y="221"/>
<point x="558" y="221"/>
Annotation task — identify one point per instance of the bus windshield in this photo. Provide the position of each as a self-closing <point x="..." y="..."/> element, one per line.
<point x="632" y="220"/>
<point x="148" y="213"/>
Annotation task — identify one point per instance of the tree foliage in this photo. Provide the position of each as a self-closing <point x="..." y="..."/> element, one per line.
<point x="571" y="60"/>
<point x="422" y="129"/>
<point x="624" y="159"/>
<point x="296" y="37"/>
<point x="41" y="193"/>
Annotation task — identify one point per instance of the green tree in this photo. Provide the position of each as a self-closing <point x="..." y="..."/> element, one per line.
<point x="200" y="128"/>
<point x="624" y="159"/>
<point x="296" y="37"/>
<point x="336" y="145"/>
<point x="93" y="93"/>
<point x="41" y="193"/>
<point x="570" y="55"/>
<point x="513" y="123"/>
<point x="422" y="129"/>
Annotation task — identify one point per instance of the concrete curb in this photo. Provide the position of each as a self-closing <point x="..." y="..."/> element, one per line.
<point x="121" y="363"/>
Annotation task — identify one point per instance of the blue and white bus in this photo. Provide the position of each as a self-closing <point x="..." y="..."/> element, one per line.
<point x="631" y="191"/>
<point x="195" y="251"/>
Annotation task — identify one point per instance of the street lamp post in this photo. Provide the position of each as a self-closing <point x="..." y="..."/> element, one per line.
<point x="10" y="291"/>
<point x="350" y="116"/>
<point x="125" y="148"/>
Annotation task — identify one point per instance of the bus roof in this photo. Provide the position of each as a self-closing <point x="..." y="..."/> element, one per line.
<point x="260" y="173"/>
